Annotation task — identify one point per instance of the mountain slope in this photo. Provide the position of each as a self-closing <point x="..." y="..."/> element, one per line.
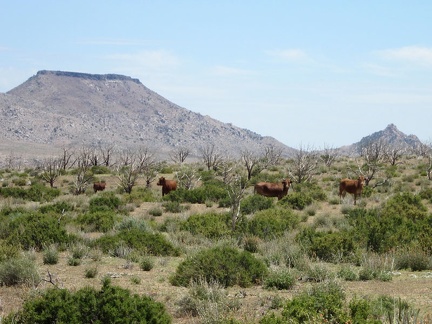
<point x="54" y="109"/>
<point x="390" y="136"/>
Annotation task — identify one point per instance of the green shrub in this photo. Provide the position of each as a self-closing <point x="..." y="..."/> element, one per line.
<point x="50" y="254"/>
<point x="281" y="279"/>
<point x="19" y="271"/>
<point x="139" y="195"/>
<point x="37" y="192"/>
<point x="98" y="221"/>
<point x="225" y="265"/>
<point x="324" y="302"/>
<point x="146" y="263"/>
<point x="347" y="273"/>
<point x="91" y="272"/>
<point x="100" y="169"/>
<point x="57" y="207"/>
<point x="211" y="225"/>
<point x="107" y="201"/>
<point x="251" y="243"/>
<point x="87" y="305"/>
<point x="155" y="212"/>
<point x="328" y="246"/>
<point x="254" y="203"/>
<point x="139" y="239"/>
<point x="173" y="207"/>
<point x="209" y="301"/>
<point x="296" y="200"/>
<point x="414" y="259"/>
<point x="272" y="222"/>
<point x="401" y="221"/>
<point x="198" y="195"/>
<point x="7" y="250"/>
<point x="34" y="230"/>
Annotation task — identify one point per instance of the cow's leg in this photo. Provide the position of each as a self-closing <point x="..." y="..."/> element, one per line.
<point x="355" y="199"/>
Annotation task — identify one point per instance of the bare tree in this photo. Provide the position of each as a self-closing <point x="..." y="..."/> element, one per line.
<point x="374" y="155"/>
<point x="179" y="154"/>
<point x="128" y="170"/>
<point x="83" y="172"/>
<point x="225" y="170"/>
<point x="188" y="177"/>
<point x="251" y="161"/>
<point x="303" y="165"/>
<point x="272" y="156"/>
<point x="236" y="191"/>
<point x="106" y="151"/>
<point x="393" y="154"/>
<point x="329" y="155"/>
<point x="210" y="156"/>
<point x="67" y="158"/>
<point x="51" y="170"/>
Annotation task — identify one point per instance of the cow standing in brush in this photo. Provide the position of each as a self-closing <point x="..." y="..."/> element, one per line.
<point x="99" y="186"/>
<point x="270" y="189"/>
<point x="351" y="186"/>
<point x="167" y="185"/>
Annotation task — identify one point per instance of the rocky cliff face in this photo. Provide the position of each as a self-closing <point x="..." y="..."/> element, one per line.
<point x="54" y="109"/>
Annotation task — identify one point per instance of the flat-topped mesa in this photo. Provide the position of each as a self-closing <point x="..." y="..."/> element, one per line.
<point x="99" y="77"/>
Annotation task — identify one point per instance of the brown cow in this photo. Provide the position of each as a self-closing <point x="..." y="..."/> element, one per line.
<point x="167" y="185"/>
<point x="99" y="186"/>
<point x="270" y="189"/>
<point x="354" y="187"/>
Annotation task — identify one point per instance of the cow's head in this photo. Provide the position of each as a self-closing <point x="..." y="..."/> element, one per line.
<point x="161" y="181"/>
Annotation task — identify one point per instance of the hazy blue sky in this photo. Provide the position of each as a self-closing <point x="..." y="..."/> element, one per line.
<point x="309" y="73"/>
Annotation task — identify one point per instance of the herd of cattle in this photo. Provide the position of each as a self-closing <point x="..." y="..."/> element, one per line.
<point x="267" y="189"/>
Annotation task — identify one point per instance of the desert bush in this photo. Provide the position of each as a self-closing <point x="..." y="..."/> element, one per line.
<point x="207" y="192"/>
<point x="146" y="263"/>
<point x="272" y="222"/>
<point x="50" y="254"/>
<point x="98" y="221"/>
<point x="87" y="305"/>
<point x="251" y="243"/>
<point x="57" y="207"/>
<point x="401" y="221"/>
<point x="37" y="192"/>
<point x="8" y="250"/>
<point x="280" y="279"/>
<point x="254" y="203"/>
<point x="91" y="272"/>
<point x="347" y="273"/>
<point x="34" y="230"/>
<point x="100" y="169"/>
<point x="324" y="302"/>
<point x="19" y="271"/>
<point x="211" y="225"/>
<point x="139" y="195"/>
<point x="223" y="264"/>
<point x="413" y="259"/>
<point x="209" y="301"/>
<point x="296" y="200"/>
<point x="107" y="201"/>
<point x="328" y="246"/>
<point x="173" y="207"/>
<point x="136" y="238"/>
<point x="156" y="211"/>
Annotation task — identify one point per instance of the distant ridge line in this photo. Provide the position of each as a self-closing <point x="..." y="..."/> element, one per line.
<point x="88" y="76"/>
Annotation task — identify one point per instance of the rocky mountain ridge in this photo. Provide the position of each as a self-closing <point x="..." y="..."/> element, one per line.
<point x="55" y="109"/>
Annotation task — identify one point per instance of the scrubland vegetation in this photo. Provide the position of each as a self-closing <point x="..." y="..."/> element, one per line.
<point x="213" y="251"/>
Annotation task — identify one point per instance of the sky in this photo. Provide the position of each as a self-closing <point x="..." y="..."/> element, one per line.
<point x="311" y="74"/>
